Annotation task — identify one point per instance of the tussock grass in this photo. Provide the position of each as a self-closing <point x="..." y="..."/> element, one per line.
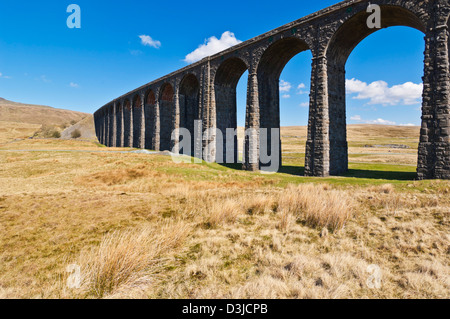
<point x="125" y="258"/>
<point x="319" y="206"/>
<point x="386" y="189"/>
<point x="223" y="212"/>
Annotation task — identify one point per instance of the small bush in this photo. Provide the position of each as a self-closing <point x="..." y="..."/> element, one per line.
<point x="48" y="131"/>
<point x="56" y="134"/>
<point x="76" y="134"/>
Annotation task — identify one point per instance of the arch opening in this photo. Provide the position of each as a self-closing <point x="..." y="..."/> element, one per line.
<point x="270" y="67"/>
<point x="226" y="80"/>
<point x="150" y="114"/>
<point x="189" y="107"/>
<point x="166" y="112"/>
<point x="348" y="37"/>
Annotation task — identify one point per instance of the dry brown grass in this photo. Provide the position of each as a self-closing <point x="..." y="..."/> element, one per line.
<point x="128" y="258"/>
<point x="121" y="217"/>
<point x="318" y="206"/>
<point x="10" y="131"/>
<point x="223" y="212"/>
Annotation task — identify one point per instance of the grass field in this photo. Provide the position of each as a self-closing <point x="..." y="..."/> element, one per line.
<point x="141" y="226"/>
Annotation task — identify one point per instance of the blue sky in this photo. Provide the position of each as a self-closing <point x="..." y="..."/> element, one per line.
<point x="42" y="61"/>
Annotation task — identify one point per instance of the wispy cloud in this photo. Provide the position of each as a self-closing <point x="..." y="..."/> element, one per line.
<point x="74" y="85"/>
<point x="4" y="76"/>
<point x="136" y="52"/>
<point x="379" y="92"/>
<point x="148" y="41"/>
<point x="212" y="46"/>
<point x="301" y="89"/>
<point x="305" y="104"/>
<point x="286" y="96"/>
<point x="379" y="121"/>
<point x="285" y="86"/>
<point x="45" y="79"/>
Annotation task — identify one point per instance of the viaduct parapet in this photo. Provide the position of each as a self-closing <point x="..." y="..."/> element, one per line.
<point x="206" y="91"/>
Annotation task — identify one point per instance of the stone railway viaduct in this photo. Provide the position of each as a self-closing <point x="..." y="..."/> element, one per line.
<point x="206" y="90"/>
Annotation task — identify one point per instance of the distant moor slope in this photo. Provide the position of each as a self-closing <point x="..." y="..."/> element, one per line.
<point x="37" y="114"/>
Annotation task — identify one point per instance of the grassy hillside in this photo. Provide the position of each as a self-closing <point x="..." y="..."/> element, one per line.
<point x="37" y="114"/>
<point x="19" y="121"/>
<point x="142" y="226"/>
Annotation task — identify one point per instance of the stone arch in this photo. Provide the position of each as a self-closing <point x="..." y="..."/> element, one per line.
<point x="166" y="113"/>
<point x="270" y="66"/>
<point x="346" y="38"/>
<point x="150" y="114"/>
<point x="189" y="99"/>
<point x="127" y="124"/>
<point x="226" y="80"/>
<point x="138" y="116"/>
<point x="352" y="31"/>
<point x="119" y="124"/>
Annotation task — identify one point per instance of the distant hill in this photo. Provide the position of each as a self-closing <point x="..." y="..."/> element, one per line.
<point x="19" y="121"/>
<point x="37" y="114"/>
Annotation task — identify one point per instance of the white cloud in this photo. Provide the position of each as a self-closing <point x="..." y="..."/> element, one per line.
<point x="74" y="85"/>
<point x="286" y="96"/>
<point x="44" y="79"/>
<point x="300" y="88"/>
<point x="379" y="92"/>
<point x="212" y="46"/>
<point x="306" y="104"/>
<point x="4" y="76"/>
<point x="380" y="121"/>
<point x="148" y="41"/>
<point x="285" y="86"/>
<point x="356" y="118"/>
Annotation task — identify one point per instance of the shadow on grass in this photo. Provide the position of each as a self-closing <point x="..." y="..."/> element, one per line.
<point x="355" y="173"/>
<point x="290" y="170"/>
<point x="388" y="175"/>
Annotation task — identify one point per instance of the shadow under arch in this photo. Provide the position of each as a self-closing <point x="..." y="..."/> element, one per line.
<point x="225" y="82"/>
<point x="270" y="67"/>
<point x="338" y="50"/>
<point x="150" y="117"/>
<point x="166" y="114"/>
<point x="189" y="101"/>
